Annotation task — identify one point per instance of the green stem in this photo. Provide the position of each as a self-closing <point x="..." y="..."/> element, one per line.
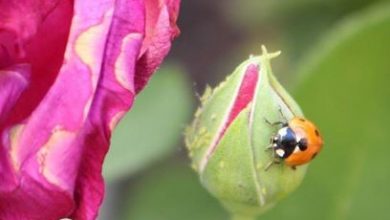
<point x="243" y="217"/>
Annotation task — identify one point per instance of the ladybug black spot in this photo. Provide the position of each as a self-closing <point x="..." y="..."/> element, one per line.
<point x="302" y="144"/>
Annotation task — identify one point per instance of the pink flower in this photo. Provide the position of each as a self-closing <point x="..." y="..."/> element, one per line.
<point x="69" y="70"/>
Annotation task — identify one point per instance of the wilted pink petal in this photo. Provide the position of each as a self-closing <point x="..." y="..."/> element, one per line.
<point x="20" y="20"/>
<point x="43" y="50"/>
<point x="161" y="28"/>
<point x="13" y="81"/>
<point x="57" y="135"/>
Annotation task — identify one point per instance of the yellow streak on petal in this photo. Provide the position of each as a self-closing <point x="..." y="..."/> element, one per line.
<point x="121" y="72"/>
<point x="88" y="50"/>
<point x="87" y="107"/>
<point x="90" y="53"/>
<point x="58" y="138"/>
<point x="14" y="135"/>
<point x="84" y="46"/>
<point x="114" y="121"/>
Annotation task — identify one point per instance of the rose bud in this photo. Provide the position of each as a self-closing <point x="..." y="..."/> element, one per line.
<point x="229" y="139"/>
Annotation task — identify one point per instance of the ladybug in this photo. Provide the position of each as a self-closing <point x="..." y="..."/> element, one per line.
<point x="297" y="142"/>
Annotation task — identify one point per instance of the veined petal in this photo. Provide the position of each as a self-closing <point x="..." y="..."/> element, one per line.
<point x="43" y="50"/>
<point x="112" y="99"/>
<point x="56" y="137"/>
<point x="52" y="137"/>
<point x="13" y="81"/>
<point x="20" y="19"/>
<point x="161" y="16"/>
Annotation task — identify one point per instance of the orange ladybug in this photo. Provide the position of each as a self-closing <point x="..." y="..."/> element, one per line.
<point x="296" y="142"/>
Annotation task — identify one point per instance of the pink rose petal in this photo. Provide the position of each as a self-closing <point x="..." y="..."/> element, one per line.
<point x="86" y="61"/>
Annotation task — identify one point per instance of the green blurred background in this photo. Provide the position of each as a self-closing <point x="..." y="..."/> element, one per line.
<point x="335" y="61"/>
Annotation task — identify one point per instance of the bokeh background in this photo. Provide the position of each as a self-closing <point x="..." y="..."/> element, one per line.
<point x="335" y="61"/>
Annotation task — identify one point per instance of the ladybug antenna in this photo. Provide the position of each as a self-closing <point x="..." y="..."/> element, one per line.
<point x="281" y="113"/>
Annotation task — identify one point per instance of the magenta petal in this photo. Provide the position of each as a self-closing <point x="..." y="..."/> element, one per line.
<point x="44" y="52"/>
<point x="23" y="197"/>
<point x="20" y="19"/>
<point x="113" y="97"/>
<point x="46" y="149"/>
<point x="13" y="81"/>
<point x="161" y="16"/>
<point x="55" y="139"/>
<point x="43" y="202"/>
<point x="52" y="156"/>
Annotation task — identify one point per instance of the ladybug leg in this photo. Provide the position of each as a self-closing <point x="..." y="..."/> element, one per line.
<point x="270" y="164"/>
<point x="272" y="144"/>
<point x="293" y="167"/>
<point x="277" y="122"/>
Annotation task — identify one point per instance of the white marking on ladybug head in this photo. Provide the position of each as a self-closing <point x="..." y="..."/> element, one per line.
<point x="283" y="132"/>
<point x="280" y="152"/>
<point x="296" y="149"/>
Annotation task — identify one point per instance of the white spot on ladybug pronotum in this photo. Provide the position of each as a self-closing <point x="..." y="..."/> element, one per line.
<point x="280" y="152"/>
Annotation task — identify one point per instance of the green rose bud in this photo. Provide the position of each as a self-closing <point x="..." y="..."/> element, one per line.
<point x="229" y="137"/>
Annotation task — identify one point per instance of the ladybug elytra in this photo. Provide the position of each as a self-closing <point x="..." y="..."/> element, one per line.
<point x="297" y="142"/>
